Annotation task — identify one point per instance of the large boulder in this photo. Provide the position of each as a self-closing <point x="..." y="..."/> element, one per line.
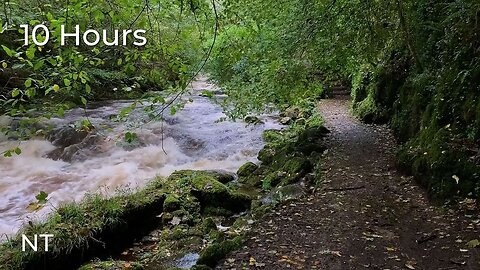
<point x="66" y="136"/>
<point x="208" y="190"/>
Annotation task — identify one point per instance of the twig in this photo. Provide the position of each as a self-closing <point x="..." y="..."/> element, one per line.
<point x="344" y="189"/>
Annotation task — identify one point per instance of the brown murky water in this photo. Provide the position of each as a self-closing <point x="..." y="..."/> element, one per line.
<point x="193" y="139"/>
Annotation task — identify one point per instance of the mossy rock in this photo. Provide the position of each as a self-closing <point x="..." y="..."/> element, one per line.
<point x="266" y="155"/>
<point x="171" y="203"/>
<point x="198" y="180"/>
<point x="251" y="181"/>
<point x="207" y="225"/>
<point x="222" y="177"/>
<point x="272" y="180"/>
<point x="297" y="165"/>
<point x="252" y="120"/>
<point x="208" y="190"/>
<point x="288" y="192"/>
<point x="272" y="136"/>
<point x="247" y="169"/>
<point x="215" y="252"/>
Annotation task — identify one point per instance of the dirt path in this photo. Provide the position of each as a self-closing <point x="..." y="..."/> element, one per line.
<point x="366" y="215"/>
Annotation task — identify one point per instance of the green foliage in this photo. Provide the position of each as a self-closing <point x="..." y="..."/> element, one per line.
<point x="175" y="35"/>
<point x="42" y="197"/>
<point x="414" y="64"/>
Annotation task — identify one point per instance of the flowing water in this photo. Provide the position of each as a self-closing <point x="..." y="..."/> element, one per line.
<point x="99" y="162"/>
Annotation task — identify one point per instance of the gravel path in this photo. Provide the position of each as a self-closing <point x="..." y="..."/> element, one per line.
<point x="365" y="216"/>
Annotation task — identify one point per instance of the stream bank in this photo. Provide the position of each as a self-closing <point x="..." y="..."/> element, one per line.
<point x="193" y="218"/>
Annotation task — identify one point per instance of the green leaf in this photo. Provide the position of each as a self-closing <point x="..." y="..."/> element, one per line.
<point x="4" y="27"/>
<point x="28" y="83"/>
<point x="4" y="64"/>
<point x="42" y="197"/>
<point x="52" y="61"/>
<point x="61" y="112"/>
<point x="38" y="65"/>
<point x="30" y="92"/>
<point x="66" y="82"/>
<point x="56" y="87"/>
<point x="18" y="151"/>
<point x="130" y="137"/>
<point x="8" y="51"/>
<point x="84" y="101"/>
<point x="15" y="92"/>
<point x="7" y="153"/>
<point x="88" y="89"/>
<point x="31" y="52"/>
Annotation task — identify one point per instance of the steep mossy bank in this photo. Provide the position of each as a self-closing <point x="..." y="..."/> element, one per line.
<point x="434" y="117"/>
<point x="413" y="64"/>
<point x="428" y="90"/>
<point x="191" y="219"/>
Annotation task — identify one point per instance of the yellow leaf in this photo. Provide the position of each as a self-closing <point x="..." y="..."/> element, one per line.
<point x="252" y="261"/>
<point x="56" y="88"/>
<point x="32" y="207"/>
<point x="474" y="243"/>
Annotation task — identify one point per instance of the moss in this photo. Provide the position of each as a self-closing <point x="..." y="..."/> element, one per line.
<point x="260" y="211"/>
<point x="272" y="136"/>
<point x="272" y="180"/>
<point x="266" y="155"/>
<point x="209" y="192"/>
<point x="297" y="165"/>
<point x="367" y="108"/>
<point x="216" y="236"/>
<point x="80" y="229"/>
<point x="222" y="177"/>
<point x="171" y="203"/>
<point x="251" y="181"/>
<point x="247" y="169"/>
<point x="208" y="224"/>
<point x="295" y="168"/>
<point x="179" y="232"/>
<point x="215" y="252"/>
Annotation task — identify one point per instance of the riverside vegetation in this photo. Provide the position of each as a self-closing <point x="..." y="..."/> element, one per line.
<point x="411" y="64"/>
<point x="182" y="214"/>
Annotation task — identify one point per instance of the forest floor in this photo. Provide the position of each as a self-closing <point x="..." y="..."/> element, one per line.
<point x="365" y="216"/>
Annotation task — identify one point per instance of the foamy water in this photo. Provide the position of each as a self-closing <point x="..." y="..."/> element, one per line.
<point x="192" y="139"/>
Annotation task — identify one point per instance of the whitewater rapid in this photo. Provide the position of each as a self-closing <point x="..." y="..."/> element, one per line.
<point x="194" y="138"/>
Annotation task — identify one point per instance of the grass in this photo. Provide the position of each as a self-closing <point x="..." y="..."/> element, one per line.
<point x="81" y="227"/>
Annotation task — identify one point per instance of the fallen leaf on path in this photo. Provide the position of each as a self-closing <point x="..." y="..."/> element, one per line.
<point x="410" y="265"/>
<point x="473" y="243"/>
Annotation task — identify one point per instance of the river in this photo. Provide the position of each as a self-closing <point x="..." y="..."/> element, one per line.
<point x="193" y="138"/>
